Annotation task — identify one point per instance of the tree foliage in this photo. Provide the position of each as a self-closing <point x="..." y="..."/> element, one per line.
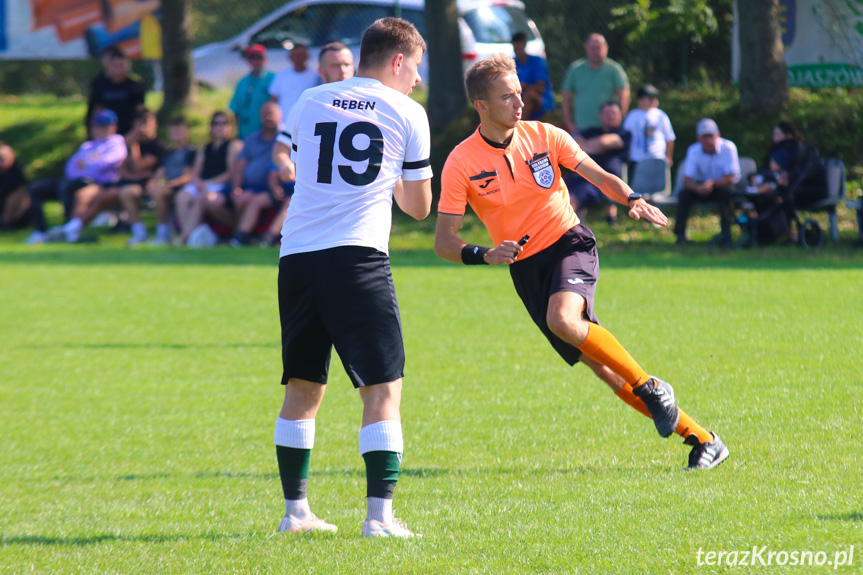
<point x="644" y="20"/>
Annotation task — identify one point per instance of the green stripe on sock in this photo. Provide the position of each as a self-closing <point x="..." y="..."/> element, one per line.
<point x="382" y="466"/>
<point x="293" y="462"/>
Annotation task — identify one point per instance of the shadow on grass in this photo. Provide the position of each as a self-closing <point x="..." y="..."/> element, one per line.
<point x="853" y="516"/>
<point x="73" y="541"/>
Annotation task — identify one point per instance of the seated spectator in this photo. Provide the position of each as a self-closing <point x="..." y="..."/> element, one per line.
<point x="211" y="174"/>
<point x="174" y="173"/>
<point x="144" y="152"/>
<point x="608" y="145"/>
<point x="274" y="233"/>
<point x="532" y="71"/>
<point x="252" y="192"/>
<point x="710" y="172"/>
<point x="791" y="176"/>
<point x="859" y="242"/>
<point x="95" y="166"/>
<point x="652" y="135"/>
<point x="14" y="201"/>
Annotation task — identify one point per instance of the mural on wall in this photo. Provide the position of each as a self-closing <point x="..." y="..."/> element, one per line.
<point x="74" y="29"/>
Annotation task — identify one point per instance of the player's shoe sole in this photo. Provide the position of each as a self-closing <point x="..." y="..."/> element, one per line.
<point x="658" y="397"/>
<point x="705" y="455"/>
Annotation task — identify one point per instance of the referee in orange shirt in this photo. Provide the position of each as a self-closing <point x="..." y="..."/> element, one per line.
<point x="508" y="171"/>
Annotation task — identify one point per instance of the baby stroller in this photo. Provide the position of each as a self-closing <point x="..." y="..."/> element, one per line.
<point x="777" y="211"/>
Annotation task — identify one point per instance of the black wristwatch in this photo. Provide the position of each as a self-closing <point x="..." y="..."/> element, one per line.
<point x="633" y="197"/>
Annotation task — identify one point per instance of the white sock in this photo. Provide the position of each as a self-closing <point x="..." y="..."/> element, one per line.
<point x="380" y="509"/>
<point x="163" y="231"/>
<point x="296" y="434"/>
<point x="299" y="508"/>
<point x="139" y="230"/>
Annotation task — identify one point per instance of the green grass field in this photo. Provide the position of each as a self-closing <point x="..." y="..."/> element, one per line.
<point x="139" y="388"/>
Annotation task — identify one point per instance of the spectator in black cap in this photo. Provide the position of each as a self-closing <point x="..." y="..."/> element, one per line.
<point x="652" y="134"/>
<point x="115" y="90"/>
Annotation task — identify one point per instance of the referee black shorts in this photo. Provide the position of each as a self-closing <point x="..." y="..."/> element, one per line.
<point x="570" y="264"/>
<point x="345" y="298"/>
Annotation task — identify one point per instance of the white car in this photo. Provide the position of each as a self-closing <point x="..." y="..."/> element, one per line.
<point x="486" y="28"/>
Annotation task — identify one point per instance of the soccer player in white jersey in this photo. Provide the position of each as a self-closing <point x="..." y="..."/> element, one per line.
<point x="352" y="142"/>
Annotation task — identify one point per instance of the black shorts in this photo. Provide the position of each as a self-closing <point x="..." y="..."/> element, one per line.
<point x="342" y="297"/>
<point x="570" y="264"/>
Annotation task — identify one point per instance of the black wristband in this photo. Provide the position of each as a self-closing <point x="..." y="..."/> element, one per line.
<point x="472" y="255"/>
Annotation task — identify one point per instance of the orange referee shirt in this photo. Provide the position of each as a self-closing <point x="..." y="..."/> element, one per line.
<point x="515" y="190"/>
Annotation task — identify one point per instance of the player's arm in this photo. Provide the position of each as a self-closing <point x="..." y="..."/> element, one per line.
<point x="566" y="107"/>
<point x="414" y="197"/>
<point x="624" y="97"/>
<point x="617" y="190"/>
<point x="283" y="162"/>
<point x="449" y="245"/>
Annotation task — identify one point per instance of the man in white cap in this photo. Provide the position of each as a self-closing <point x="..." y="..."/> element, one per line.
<point x="710" y="171"/>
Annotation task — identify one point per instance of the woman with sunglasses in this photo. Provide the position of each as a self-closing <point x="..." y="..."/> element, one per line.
<point x="212" y="173"/>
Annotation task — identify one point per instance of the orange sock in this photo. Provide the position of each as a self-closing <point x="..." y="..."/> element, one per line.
<point x="601" y="346"/>
<point x="632" y="400"/>
<point x="687" y="427"/>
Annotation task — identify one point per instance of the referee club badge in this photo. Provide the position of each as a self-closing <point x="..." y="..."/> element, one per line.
<point x="543" y="171"/>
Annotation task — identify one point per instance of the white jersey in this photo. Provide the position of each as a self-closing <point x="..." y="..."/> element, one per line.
<point x="351" y="142"/>
<point x="651" y="131"/>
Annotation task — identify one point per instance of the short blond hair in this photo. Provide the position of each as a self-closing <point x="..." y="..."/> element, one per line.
<point x="479" y="77"/>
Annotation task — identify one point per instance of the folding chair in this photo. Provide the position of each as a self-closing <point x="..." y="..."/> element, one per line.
<point x="651" y="176"/>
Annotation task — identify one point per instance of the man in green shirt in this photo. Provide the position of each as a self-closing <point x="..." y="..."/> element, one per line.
<point x="252" y="92"/>
<point x="590" y="82"/>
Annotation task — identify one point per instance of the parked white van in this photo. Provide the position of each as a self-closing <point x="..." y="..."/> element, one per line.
<point x="486" y="27"/>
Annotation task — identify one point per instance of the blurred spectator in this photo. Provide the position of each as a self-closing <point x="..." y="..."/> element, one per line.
<point x="174" y="173"/>
<point x="608" y="145"/>
<point x="211" y="174"/>
<point x="589" y="83"/>
<point x="532" y="72"/>
<point x="145" y="157"/>
<point x="252" y="91"/>
<point x="859" y="243"/>
<point x="289" y="83"/>
<point x="14" y="201"/>
<point x="115" y="90"/>
<point x="710" y="171"/>
<point x="96" y="165"/>
<point x="335" y="63"/>
<point x="652" y="135"/>
<point x="252" y="192"/>
<point x="791" y="176"/>
<point x="144" y="152"/>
